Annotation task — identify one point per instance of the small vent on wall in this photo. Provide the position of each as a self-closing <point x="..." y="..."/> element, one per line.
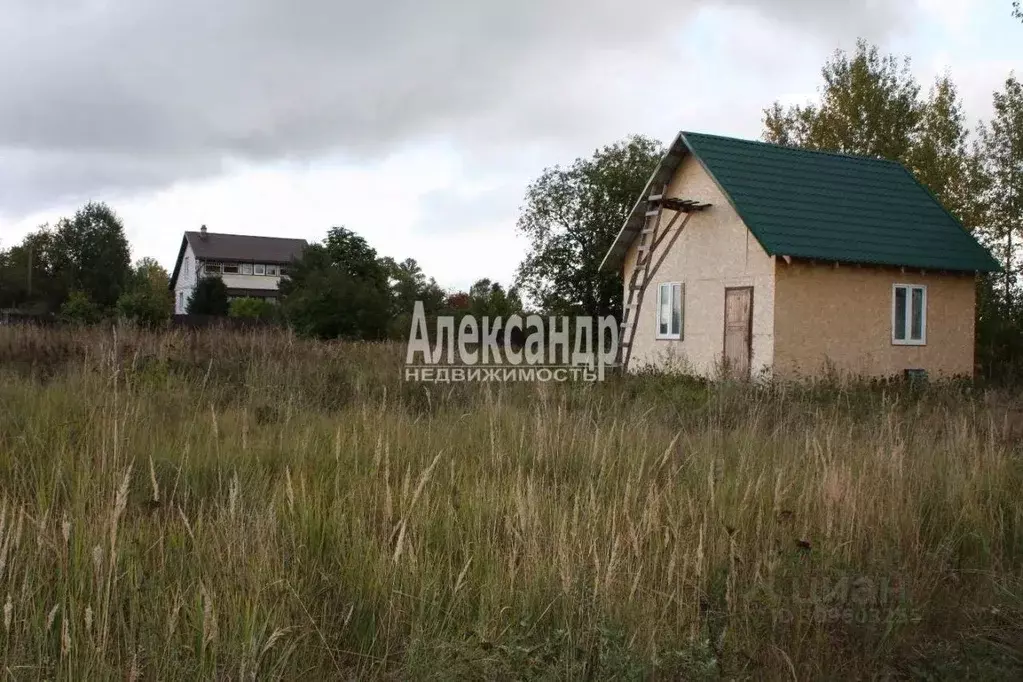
<point x="916" y="375"/>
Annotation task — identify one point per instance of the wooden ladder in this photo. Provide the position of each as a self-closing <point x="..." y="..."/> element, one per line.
<point x="640" y="274"/>
<point x="645" y="269"/>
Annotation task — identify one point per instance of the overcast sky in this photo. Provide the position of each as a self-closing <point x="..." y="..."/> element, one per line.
<point x="416" y="124"/>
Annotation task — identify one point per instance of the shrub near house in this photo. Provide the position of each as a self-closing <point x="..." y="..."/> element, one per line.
<point x="253" y="309"/>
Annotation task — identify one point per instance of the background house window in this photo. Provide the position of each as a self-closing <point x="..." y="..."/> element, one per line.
<point x="669" y="311"/>
<point x="260" y="269"/>
<point x="209" y="268"/>
<point x="271" y="270"/>
<point x="246" y="268"/>
<point x="909" y="315"/>
<point x="230" y="268"/>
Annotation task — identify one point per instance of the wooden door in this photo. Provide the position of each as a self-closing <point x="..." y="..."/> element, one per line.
<point x="738" y="332"/>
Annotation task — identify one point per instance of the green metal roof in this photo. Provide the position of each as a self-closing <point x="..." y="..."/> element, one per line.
<point x="825" y="206"/>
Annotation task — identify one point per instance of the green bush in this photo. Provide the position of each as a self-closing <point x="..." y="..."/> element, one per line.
<point x="80" y="309"/>
<point x="144" y="307"/>
<point x="253" y="308"/>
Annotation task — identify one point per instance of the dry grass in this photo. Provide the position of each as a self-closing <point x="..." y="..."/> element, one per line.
<point x="252" y="506"/>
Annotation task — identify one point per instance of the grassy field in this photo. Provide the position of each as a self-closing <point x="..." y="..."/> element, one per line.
<point x="254" y="506"/>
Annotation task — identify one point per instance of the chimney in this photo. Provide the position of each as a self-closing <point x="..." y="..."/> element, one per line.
<point x="202" y="233"/>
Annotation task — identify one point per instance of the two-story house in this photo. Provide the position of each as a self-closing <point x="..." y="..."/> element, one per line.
<point x="250" y="266"/>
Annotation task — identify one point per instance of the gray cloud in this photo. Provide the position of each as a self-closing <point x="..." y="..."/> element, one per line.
<point x="476" y="211"/>
<point x="118" y="95"/>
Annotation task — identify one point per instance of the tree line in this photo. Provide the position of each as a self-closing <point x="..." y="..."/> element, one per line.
<point x="869" y="104"/>
<point x="79" y="271"/>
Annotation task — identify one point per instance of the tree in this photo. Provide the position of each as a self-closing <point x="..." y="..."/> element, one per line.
<point x="408" y="285"/>
<point x="489" y="299"/>
<point x="352" y="254"/>
<point x="1017" y="11"/>
<point x="338" y="289"/>
<point x="939" y="156"/>
<point x="458" y="301"/>
<point x="209" y="297"/>
<point x="571" y="217"/>
<point x="869" y="105"/>
<point x="149" y="273"/>
<point x="88" y="253"/>
<point x="1001" y="141"/>
<point x="406" y="280"/>
<point x="148" y="301"/>
<point x="91" y="254"/>
<point x="27" y="277"/>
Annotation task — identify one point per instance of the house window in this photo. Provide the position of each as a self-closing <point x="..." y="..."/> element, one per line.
<point x="909" y="315"/>
<point x="230" y="268"/>
<point x="181" y="301"/>
<point x="271" y="270"/>
<point x="260" y="269"/>
<point x="211" y="268"/>
<point x="246" y="268"/>
<point x="669" y="311"/>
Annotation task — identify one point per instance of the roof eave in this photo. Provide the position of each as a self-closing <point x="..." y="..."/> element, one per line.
<point x="793" y="255"/>
<point x="177" y="264"/>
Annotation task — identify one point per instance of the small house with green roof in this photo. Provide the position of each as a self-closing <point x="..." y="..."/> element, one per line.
<point x="744" y="258"/>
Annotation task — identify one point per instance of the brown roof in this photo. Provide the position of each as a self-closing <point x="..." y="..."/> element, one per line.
<point x="238" y="247"/>
<point x="242" y="247"/>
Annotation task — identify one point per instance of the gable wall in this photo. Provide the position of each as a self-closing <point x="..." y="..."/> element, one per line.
<point x="186" y="281"/>
<point x="842" y="318"/>
<point x="715" y="251"/>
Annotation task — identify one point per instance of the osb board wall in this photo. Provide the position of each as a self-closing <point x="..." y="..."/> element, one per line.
<point x="714" y="251"/>
<point x="841" y="318"/>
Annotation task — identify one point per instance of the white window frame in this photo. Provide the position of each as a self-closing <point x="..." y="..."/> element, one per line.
<point x="670" y="336"/>
<point x="272" y="270"/>
<point x="908" y="341"/>
<point x="212" y="268"/>
<point x="245" y="268"/>
<point x="259" y="269"/>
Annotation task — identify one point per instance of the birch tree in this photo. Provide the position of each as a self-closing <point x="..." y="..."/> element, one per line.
<point x="869" y="105"/>
<point x="1001" y="142"/>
